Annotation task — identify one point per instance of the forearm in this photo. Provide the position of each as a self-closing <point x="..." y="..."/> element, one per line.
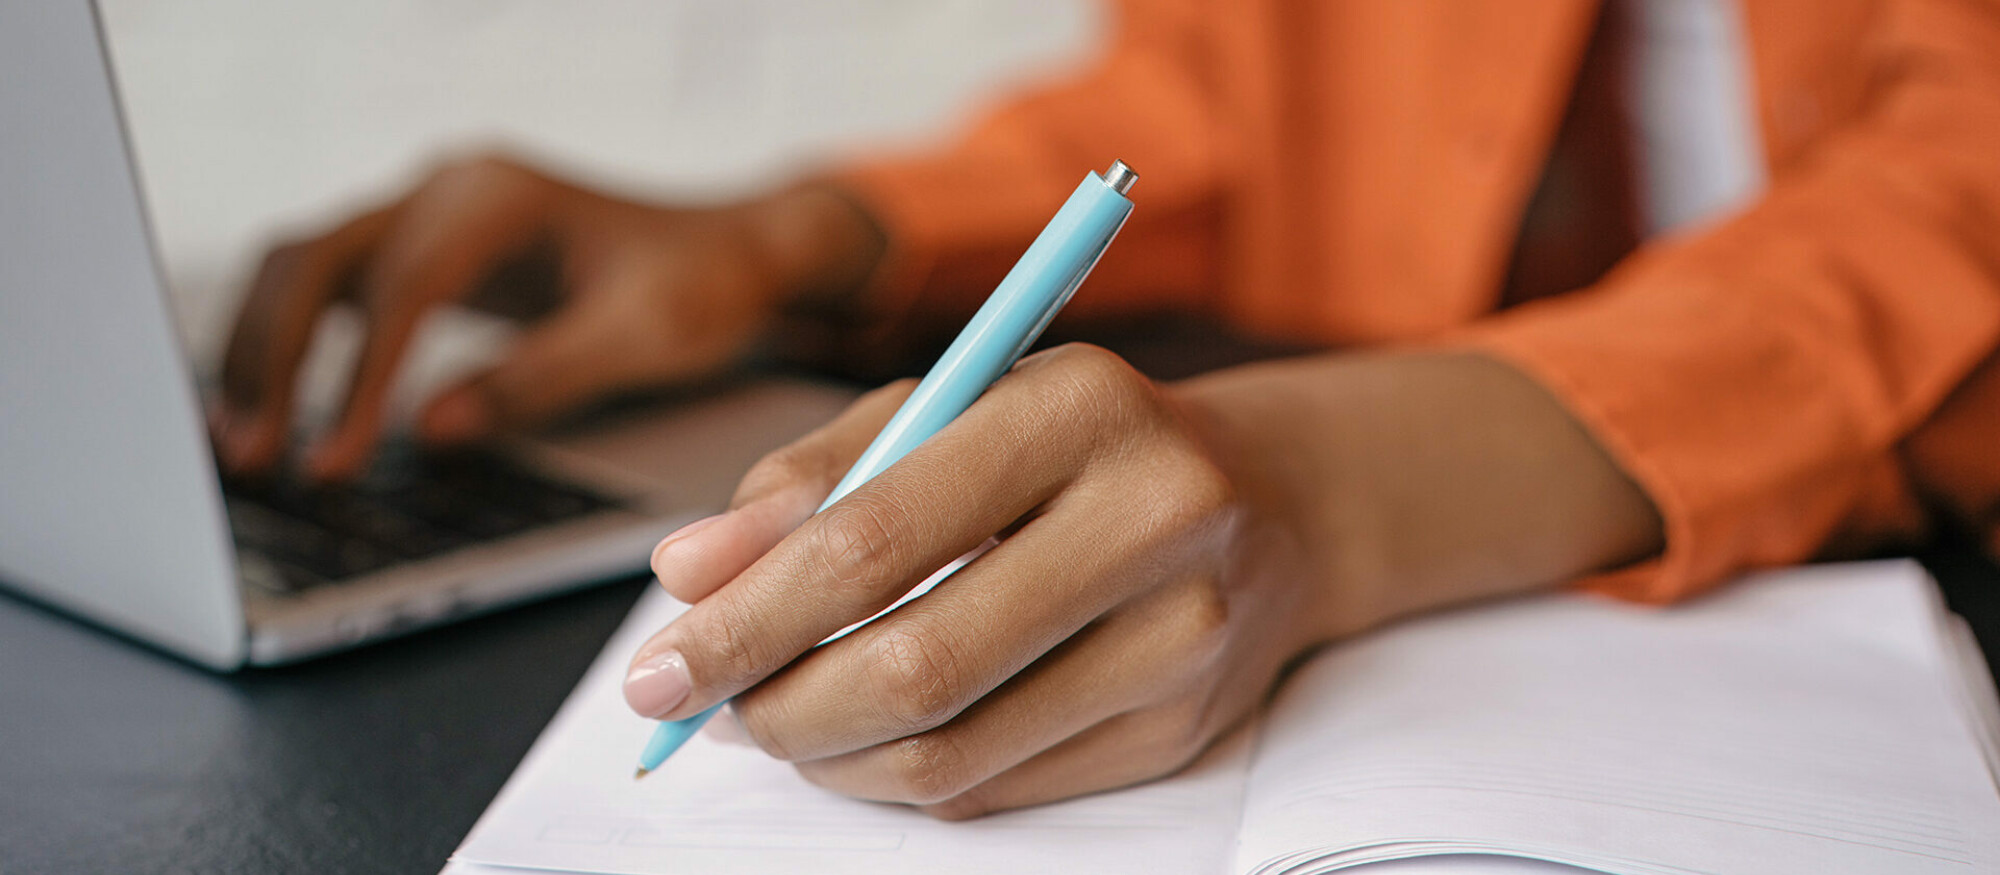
<point x="1411" y="481"/>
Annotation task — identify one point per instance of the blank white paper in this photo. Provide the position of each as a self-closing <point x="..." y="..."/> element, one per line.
<point x="1807" y="721"/>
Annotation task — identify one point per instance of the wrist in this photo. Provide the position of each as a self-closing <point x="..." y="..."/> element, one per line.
<point x="820" y="245"/>
<point x="1412" y="481"/>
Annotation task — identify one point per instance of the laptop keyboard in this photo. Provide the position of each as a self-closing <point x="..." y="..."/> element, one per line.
<point x="293" y="536"/>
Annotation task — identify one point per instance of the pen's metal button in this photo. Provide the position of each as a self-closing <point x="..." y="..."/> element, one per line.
<point x="1120" y="177"/>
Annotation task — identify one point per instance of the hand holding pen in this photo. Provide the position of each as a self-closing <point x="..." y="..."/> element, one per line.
<point x="1086" y="651"/>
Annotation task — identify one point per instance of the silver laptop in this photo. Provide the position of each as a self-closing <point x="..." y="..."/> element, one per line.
<point x="110" y="505"/>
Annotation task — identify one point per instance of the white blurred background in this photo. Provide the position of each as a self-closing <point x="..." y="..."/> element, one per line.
<point x="255" y="119"/>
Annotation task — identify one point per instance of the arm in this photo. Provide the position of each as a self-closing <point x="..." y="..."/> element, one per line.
<point x="1167" y="551"/>
<point x="1756" y="378"/>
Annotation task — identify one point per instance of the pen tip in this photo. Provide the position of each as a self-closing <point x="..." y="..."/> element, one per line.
<point x="643" y="772"/>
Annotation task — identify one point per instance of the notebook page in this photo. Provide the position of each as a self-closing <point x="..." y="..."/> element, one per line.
<point x="572" y="805"/>
<point x="1803" y="721"/>
<point x="1977" y="694"/>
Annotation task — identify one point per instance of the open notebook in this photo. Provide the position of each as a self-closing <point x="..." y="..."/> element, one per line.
<point x="1831" y="719"/>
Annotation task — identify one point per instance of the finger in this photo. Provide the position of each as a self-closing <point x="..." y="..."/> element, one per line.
<point x="856" y="557"/>
<point x="1128" y="749"/>
<point x="1152" y="741"/>
<point x="918" y="667"/>
<point x="273" y="329"/>
<point x="605" y="338"/>
<point x="569" y="358"/>
<point x="1133" y="659"/>
<point x="445" y="240"/>
<point x="778" y="494"/>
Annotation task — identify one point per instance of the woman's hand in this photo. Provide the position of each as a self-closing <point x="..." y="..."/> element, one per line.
<point x="648" y="296"/>
<point x="1165" y="552"/>
<point x="1113" y="634"/>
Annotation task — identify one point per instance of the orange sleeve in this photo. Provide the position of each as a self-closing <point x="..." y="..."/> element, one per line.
<point x="1755" y="378"/>
<point x="958" y="217"/>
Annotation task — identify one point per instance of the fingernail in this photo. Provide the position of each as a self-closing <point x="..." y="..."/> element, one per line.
<point x="727" y="728"/>
<point x="458" y="418"/>
<point x="661" y="552"/>
<point x="658" y="684"/>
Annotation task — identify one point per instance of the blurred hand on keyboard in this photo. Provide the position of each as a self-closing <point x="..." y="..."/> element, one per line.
<point x="647" y="296"/>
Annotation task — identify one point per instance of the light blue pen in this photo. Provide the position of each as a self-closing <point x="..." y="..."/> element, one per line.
<point x="1005" y="326"/>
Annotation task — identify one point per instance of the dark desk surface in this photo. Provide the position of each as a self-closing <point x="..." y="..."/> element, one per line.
<point x="116" y="759"/>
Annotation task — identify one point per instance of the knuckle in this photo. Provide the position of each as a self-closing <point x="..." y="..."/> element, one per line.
<point x="1202" y="500"/>
<point x="1086" y="358"/>
<point x="484" y="167"/>
<point x="855" y="541"/>
<point x="730" y="653"/>
<point x="1193" y="619"/>
<point x="914" y="676"/>
<point x="1207" y="612"/>
<point x="1183" y="510"/>
<point x="1093" y="383"/>
<point x="927" y="769"/>
<point x="285" y="253"/>
<point x="1206" y="487"/>
<point x="781" y="468"/>
<point x="1204" y="627"/>
<point x="479" y="178"/>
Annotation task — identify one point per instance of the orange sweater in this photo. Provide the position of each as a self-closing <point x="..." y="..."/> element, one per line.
<point x="1780" y="383"/>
